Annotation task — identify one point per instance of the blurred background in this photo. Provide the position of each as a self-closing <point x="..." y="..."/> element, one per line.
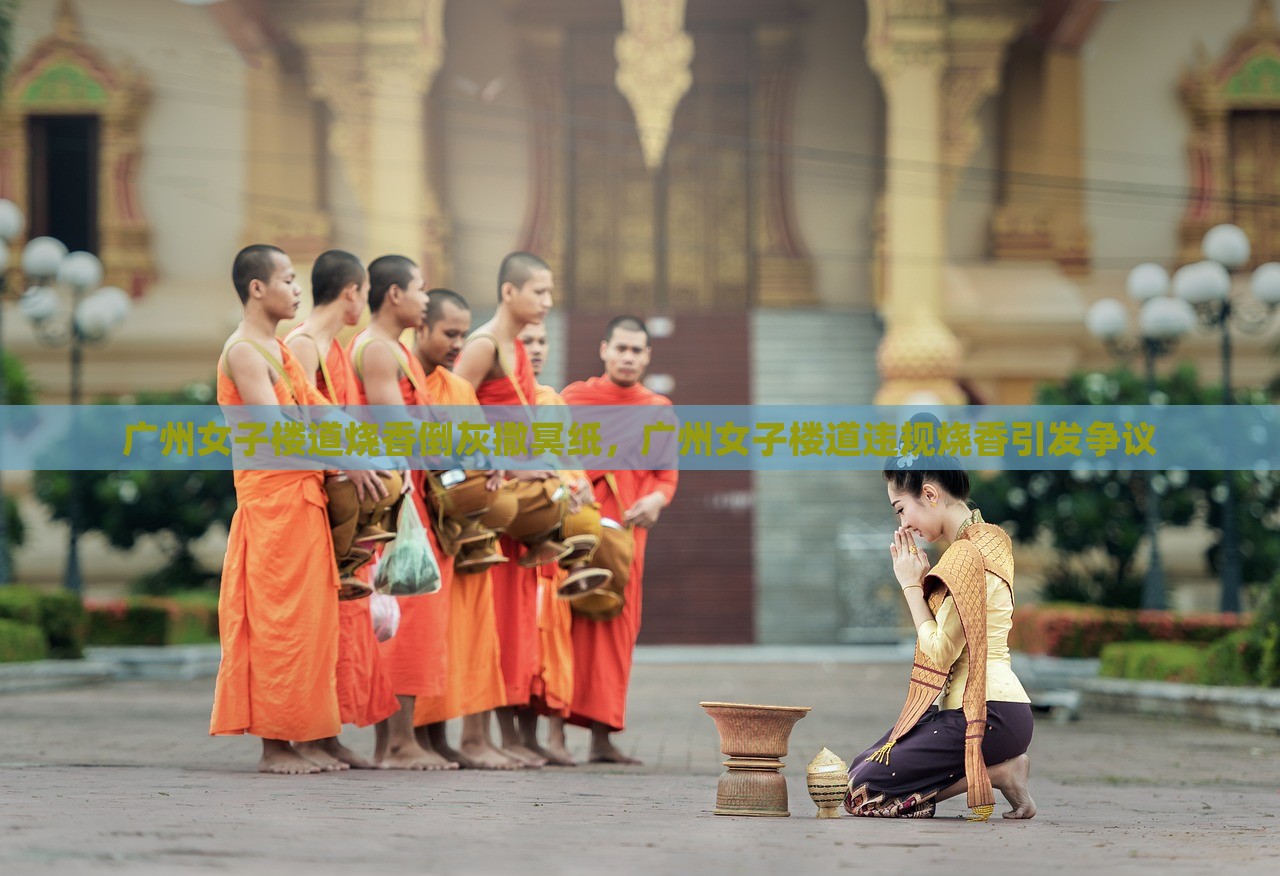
<point x="811" y="201"/>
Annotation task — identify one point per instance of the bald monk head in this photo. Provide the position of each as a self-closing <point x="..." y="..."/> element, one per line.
<point x="266" y="282"/>
<point x="337" y="277"/>
<point x="534" y="338"/>
<point x="625" y="350"/>
<point x="440" y="340"/>
<point x="525" y="287"/>
<point x="397" y="293"/>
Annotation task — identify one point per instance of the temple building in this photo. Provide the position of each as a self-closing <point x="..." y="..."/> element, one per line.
<point x="813" y="201"/>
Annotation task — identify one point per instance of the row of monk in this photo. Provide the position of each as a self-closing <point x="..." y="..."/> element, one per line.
<point x="298" y="662"/>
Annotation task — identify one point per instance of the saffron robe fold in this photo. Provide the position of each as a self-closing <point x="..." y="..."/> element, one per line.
<point x="602" y="650"/>
<point x="364" y="692"/>
<point x="278" y="604"/>
<point x="417" y="657"/>
<point x="515" y="588"/>
<point x="552" y="690"/>
<point x="475" y="663"/>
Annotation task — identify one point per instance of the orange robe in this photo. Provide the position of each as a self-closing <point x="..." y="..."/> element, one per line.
<point x="417" y="656"/>
<point x="475" y="665"/>
<point x="278" y="606"/>
<point x="364" y="692"/>
<point x="553" y="684"/>
<point x="602" y="650"/>
<point x="515" y="588"/>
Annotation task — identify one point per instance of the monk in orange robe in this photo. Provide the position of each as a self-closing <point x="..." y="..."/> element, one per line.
<point x="387" y="373"/>
<point x="278" y="605"/>
<point x="340" y="291"/>
<point x="553" y="685"/>
<point x="494" y="362"/>
<point x="602" y="650"/>
<point x="475" y="665"/>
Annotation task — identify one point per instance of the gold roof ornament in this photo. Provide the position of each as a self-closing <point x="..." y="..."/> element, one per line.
<point x="653" y="54"/>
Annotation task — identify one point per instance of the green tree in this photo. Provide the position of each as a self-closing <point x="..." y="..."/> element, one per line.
<point x="1095" y="520"/>
<point x="19" y="391"/>
<point x="179" y="506"/>
<point x="8" y="8"/>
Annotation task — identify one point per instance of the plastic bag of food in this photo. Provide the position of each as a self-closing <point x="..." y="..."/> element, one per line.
<point x="408" y="566"/>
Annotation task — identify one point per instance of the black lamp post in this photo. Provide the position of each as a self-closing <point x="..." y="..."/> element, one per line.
<point x="1206" y="285"/>
<point x="1162" y="321"/>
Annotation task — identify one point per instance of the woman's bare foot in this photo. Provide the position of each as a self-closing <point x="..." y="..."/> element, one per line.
<point x="412" y="757"/>
<point x="483" y="756"/>
<point x="279" y="758"/>
<point x="317" y="753"/>
<point x="1011" y="778"/>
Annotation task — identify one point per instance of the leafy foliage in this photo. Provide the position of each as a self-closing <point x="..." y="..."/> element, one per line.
<point x="127" y="505"/>
<point x="1095" y="520"/>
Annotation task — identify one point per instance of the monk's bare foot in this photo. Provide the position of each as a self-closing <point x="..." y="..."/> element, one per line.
<point x="347" y="756"/>
<point x="558" y="755"/>
<point x="282" y="760"/>
<point x="317" y="753"/>
<point x="528" y="758"/>
<point x="607" y="752"/>
<point x="434" y="743"/>
<point x="1014" y="775"/>
<point x="538" y="750"/>
<point x="411" y="757"/>
<point x="483" y="756"/>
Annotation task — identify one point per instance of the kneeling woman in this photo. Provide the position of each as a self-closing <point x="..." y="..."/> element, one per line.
<point x="963" y="611"/>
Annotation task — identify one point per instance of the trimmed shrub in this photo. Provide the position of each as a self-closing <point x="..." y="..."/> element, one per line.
<point x="1154" y="661"/>
<point x="59" y="615"/>
<point x="154" y="621"/>
<point x="126" y="622"/>
<point x="62" y="616"/>
<point x="21" y="642"/>
<point x="1233" y="660"/>
<point x="1083" y="631"/>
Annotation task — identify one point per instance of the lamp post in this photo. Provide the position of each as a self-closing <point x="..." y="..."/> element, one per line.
<point x="86" y="319"/>
<point x="1162" y="321"/>
<point x="1206" y="286"/>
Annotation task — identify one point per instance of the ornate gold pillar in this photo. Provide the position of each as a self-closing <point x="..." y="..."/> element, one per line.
<point x="284" y="191"/>
<point x="906" y="45"/>
<point x="784" y="272"/>
<point x="653" y="54"/>
<point x="373" y="63"/>
<point x="542" y="65"/>
<point x="1041" y="212"/>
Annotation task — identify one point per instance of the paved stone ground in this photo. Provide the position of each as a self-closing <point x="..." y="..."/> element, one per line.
<point x="121" y="778"/>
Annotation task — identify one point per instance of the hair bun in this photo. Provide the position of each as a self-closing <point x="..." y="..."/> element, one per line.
<point x="921" y="426"/>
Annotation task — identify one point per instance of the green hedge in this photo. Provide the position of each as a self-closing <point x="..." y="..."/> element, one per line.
<point x="21" y="642"/>
<point x="59" y="615"/>
<point x="150" y="620"/>
<point x="1061" y="630"/>
<point x="1230" y="661"/>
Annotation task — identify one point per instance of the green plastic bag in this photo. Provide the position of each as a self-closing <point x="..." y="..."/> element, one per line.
<point x="408" y="566"/>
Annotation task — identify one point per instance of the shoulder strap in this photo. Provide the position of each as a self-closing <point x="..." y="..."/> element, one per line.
<point x="617" y="494"/>
<point x="401" y="362"/>
<point x="507" y="371"/>
<point x="324" y="369"/>
<point x="275" y="363"/>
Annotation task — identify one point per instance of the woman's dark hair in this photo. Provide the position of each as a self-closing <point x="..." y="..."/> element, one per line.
<point x="909" y="472"/>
